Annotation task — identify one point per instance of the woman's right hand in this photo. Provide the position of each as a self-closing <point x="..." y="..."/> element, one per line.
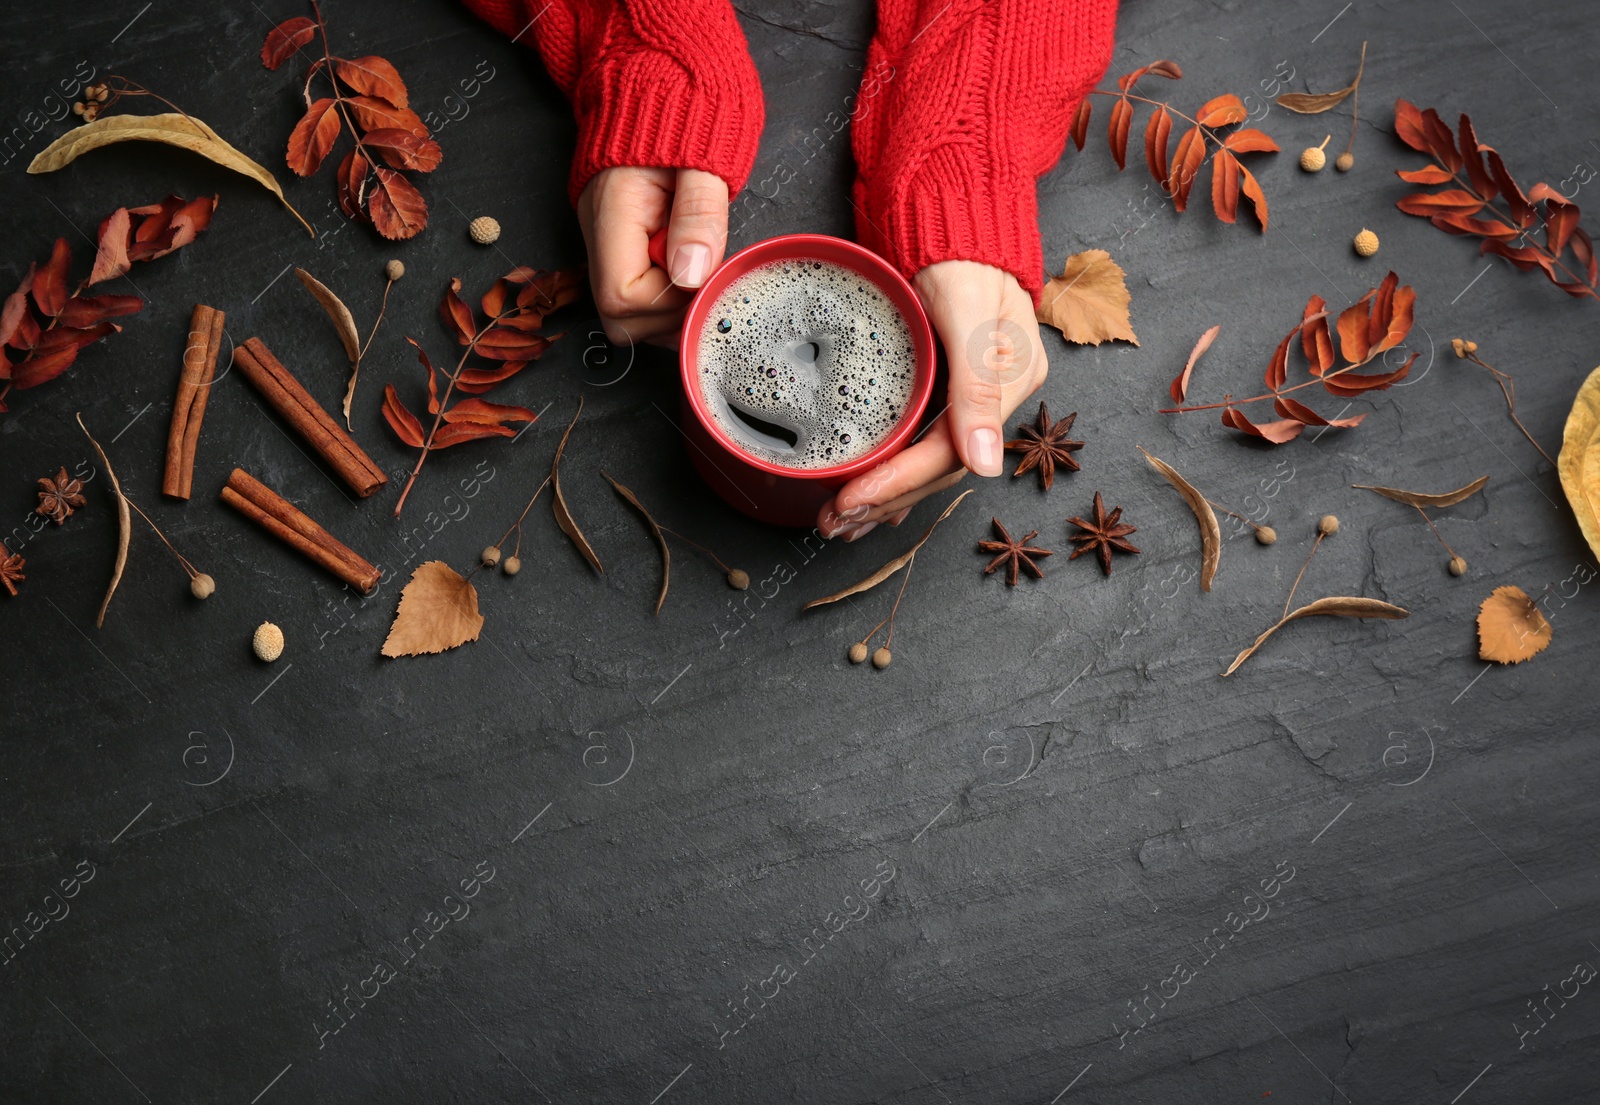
<point x="619" y="209"/>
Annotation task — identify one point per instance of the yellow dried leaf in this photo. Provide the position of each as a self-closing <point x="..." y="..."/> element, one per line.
<point x="1511" y="627"/>
<point x="1088" y="302"/>
<point x="1579" y="463"/>
<point x="438" y="611"/>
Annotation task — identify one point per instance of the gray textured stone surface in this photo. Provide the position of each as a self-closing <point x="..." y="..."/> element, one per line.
<point x="1069" y="797"/>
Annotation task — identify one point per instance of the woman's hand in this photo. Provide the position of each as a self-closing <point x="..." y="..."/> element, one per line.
<point x="984" y="320"/>
<point x="619" y="209"/>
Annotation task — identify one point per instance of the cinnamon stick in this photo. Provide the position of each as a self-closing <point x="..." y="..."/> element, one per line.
<point x="281" y="518"/>
<point x="279" y="387"/>
<point x="189" y="409"/>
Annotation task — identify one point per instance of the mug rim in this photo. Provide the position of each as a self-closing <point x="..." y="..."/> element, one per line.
<point x="794" y="247"/>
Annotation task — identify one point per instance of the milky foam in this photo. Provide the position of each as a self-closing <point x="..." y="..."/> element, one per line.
<point x="810" y="348"/>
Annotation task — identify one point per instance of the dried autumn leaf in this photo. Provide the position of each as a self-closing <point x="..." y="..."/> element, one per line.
<point x="1222" y="111"/>
<point x="892" y="566"/>
<point x="398" y="209"/>
<point x="124" y="523"/>
<point x="1117" y="131"/>
<point x="1307" y="103"/>
<point x="1210" y="532"/>
<point x="373" y="76"/>
<point x="1080" y="123"/>
<point x="1511" y="627"/>
<point x="313" y="136"/>
<point x="404" y="424"/>
<point x="173" y="129"/>
<point x="285" y="39"/>
<point x="1276" y="432"/>
<point x="1179" y="388"/>
<point x="438" y="611"/>
<point x="1089" y="301"/>
<point x="558" y="501"/>
<point x="344" y="322"/>
<point x="1421" y="499"/>
<point x="1337" y="606"/>
<point x="1186" y="162"/>
<point x="1579" y="460"/>
<point x="655" y="531"/>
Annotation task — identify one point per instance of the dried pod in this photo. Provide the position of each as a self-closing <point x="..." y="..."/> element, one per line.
<point x="739" y="579"/>
<point x="1458" y="566"/>
<point x="202" y="586"/>
<point x="1266" y="535"/>
<point x="268" y="642"/>
<point x="1344" y="162"/>
<point x="490" y="556"/>
<point x="512" y="565"/>
<point x="881" y="658"/>
<point x="1366" y="243"/>
<point x="484" y="230"/>
<point x="1459" y="347"/>
<point x="394" y="270"/>
<point x="858" y="652"/>
<point x="1328" y="525"/>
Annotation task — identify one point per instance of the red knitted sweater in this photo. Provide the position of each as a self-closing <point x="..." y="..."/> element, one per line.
<point x="967" y="103"/>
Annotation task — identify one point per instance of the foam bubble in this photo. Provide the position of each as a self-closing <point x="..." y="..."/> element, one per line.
<point x="806" y="350"/>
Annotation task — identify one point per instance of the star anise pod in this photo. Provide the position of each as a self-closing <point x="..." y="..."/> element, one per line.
<point x="10" y="569"/>
<point x="1013" y="554"/>
<point x="1102" y="535"/>
<point x="58" y="497"/>
<point x="1044" y="445"/>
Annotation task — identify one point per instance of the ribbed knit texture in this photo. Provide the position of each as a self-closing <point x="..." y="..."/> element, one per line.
<point x="653" y="83"/>
<point x="965" y="103"/>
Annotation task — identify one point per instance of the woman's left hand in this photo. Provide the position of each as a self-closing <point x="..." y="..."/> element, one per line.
<point x="985" y="321"/>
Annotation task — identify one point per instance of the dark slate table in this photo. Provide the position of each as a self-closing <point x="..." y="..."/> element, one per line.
<point x="999" y="871"/>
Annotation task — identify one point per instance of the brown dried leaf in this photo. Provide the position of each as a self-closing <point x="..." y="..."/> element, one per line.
<point x="1511" y="627"/>
<point x="655" y="531"/>
<point x="1179" y="388"/>
<point x="1337" y="606"/>
<point x="344" y="322"/>
<point x="892" y="566"/>
<point x="1210" y="532"/>
<point x="1307" y="103"/>
<point x="1089" y="301"/>
<point x="1421" y="499"/>
<point x="124" y="524"/>
<point x="438" y="611"/>
<point x="558" y="501"/>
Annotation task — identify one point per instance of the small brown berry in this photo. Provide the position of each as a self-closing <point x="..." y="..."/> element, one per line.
<point x="98" y="92"/>
<point x="1312" y="159"/>
<point x="77" y="109"/>
<point x="490" y="556"/>
<point x="858" y="652"/>
<point x="1328" y="525"/>
<point x="1266" y="535"/>
<point x="738" y="579"/>
<point x="394" y="270"/>
<point x="202" y="586"/>
<point x="484" y="230"/>
<point x="1459" y="346"/>
<point x="1366" y="243"/>
<point x="1344" y="162"/>
<point x="1458" y="566"/>
<point x="512" y="565"/>
<point x="1470" y="346"/>
<point x="268" y="642"/>
<point x="881" y="658"/>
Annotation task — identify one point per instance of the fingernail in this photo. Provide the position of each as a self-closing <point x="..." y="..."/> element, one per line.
<point x="858" y="511"/>
<point x="690" y="264"/>
<point x="856" y="532"/>
<point x="899" y="516"/>
<point x="984" y="449"/>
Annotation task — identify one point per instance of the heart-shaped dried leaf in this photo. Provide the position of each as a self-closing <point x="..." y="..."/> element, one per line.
<point x="892" y="566"/>
<point x="184" y="131"/>
<point x="438" y="611"/>
<point x="1341" y="606"/>
<point x="1511" y="627"/>
<point x="1210" y="532"/>
<point x="1421" y="499"/>
<point x="1089" y="301"/>
<point x="1579" y="460"/>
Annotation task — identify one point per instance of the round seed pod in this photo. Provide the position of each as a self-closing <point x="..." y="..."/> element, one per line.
<point x="490" y="556"/>
<point x="1344" y="162"/>
<point x="1470" y="346"/>
<point x="1458" y="566"/>
<point x="881" y="658"/>
<point x="1266" y="535"/>
<point x="268" y="642"/>
<point x="1328" y="525"/>
<point x="484" y="230"/>
<point x="1458" y="346"/>
<point x="739" y="579"/>
<point x="1312" y="159"/>
<point x="202" y="586"/>
<point x="1366" y="243"/>
<point x="394" y="270"/>
<point x="858" y="652"/>
<point x="512" y="565"/>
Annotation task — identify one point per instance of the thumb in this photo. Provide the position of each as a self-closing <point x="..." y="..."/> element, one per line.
<point x="982" y="358"/>
<point x="698" y="230"/>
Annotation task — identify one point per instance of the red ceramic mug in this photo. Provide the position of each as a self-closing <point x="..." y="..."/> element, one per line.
<point x="760" y="488"/>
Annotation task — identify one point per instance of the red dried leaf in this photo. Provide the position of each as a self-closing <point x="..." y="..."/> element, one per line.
<point x="1250" y="140"/>
<point x="398" y="209"/>
<point x="1163" y="68"/>
<point x="1179" y="388"/>
<point x="1522" y="212"/>
<point x="1225" y="185"/>
<point x="14" y="316"/>
<point x="1560" y="216"/>
<point x="456" y="314"/>
<point x="1186" y="162"/>
<point x="373" y="114"/>
<point x="550" y="291"/>
<point x="1275" y="432"/>
<point x="1298" y="411"/>
<point x="1400" y="318"/>
<point x="433" y="376"/>
<point x="1156" y="134"/>
<point x="1441" y="143"/>
<point x="352" y="184"/>
<point x="111" y="257"/>
<point x="1381" y="310"/>
<point x="454" y="433"/>
<point x="1432" y="174"/>
<point x="403" y="150"/>
<point x="373" y="76"/>
<point x="1353" y="342"/>
<point x="1278" y="368"/>
<point x="494" y="300"/>
<point x="285" y="39"/>
<point x="1315" y="341"/>
<point x="1472" y="158"/>
<point x="313" y="136"/>
<point x="476" y="381"/>
<point x="169" y="225"/>
<point x="489" y="414"/>
<point x="505" y="344"/>
<point x="401" y="421"/>
<point x="1222" y="111"/>
<point x="1253" y="193"/>
<point x="50" y="282"/>
<point x="86" y="310"/>
<point x="1583" y="250"/>
<point x="1524" y="257"/>
<point x="1427" y="204"/>
<point x="1117" y="131"/>
<point x="1408" y="126"/>
<point x="1080" y="123"/>
<point x="1453" y="223"/>
<point x="55" y="353"/>
<point x="1347" y="385"/>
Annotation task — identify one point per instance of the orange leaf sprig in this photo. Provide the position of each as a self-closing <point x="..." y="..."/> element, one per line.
<point x="369" y="99"/>
<point x="1176" y="173"/>
<point x="1468" y="207"/>
<point x="43" y="326"/>
<point x="516" y="306"/>
<point x="1376" y="323"/>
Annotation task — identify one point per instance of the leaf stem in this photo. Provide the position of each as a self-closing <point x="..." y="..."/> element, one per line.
<point x="1508" y="388"/>
<point x="1315" y="545"/>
